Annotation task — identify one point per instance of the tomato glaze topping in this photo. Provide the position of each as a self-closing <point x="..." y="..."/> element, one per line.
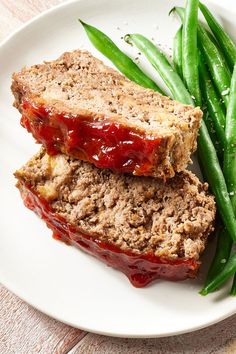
<point x="104" y="143"/>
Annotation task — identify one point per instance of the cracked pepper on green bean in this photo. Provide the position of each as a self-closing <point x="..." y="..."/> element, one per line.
<point x="224" y="242"/>
<point x="214" y="106"/>
<point x="230" y="150"/>
<point x="224" y="40"/>
<point x="216" y="277"/>
<point x="215" y="117"/>
<point x="162" y="65"/>
<point x="123" y="63"/>
<point x="214" y="59"/>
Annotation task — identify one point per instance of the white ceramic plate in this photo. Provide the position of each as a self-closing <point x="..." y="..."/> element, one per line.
<point x="59" y="280"/>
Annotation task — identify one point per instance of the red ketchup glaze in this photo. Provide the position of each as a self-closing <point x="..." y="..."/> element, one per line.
<point x="104" y="143"/>
<point x="140" y="269"/>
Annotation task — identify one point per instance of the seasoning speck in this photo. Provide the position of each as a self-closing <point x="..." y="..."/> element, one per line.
<point x="225" y="92"/>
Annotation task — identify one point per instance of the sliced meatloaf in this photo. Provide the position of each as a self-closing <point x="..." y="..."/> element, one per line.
<point x="142" y="226"/>
<point x="79" y="106"/>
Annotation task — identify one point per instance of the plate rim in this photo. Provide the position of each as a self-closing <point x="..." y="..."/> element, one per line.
<point x="121" y="335"/>
<point x="11" y="287"/>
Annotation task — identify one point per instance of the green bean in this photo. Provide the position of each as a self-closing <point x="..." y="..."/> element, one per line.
<point x="224" y="243"/>
<point x="230" y="150"/>
<point x="220" y="278"/>
<point x="212" y="133"/>
<point x="123" y="63"/>
<point x="177" y="52"/>
<point x="214" y="59"/>
<point x="226" y="43"/>
<point x="216" y="64"/>
<point x="207" y="153"/>
<point x="159" y="60"/>
<point x="223" y="247"/>
<point x="222" y="253"/>
<point x="233" y="288"/>
<point x="211" y="99"/>
<point x="214" y="106"/>
<point x="215" y="178"/>
<point x="219" y="72"/>
<point x="190" y="28"/>
<point x="190" y="50"/>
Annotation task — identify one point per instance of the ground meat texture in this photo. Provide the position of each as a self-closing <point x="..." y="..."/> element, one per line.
<point x="164" y="225"/>
<point x="79" y="106"/>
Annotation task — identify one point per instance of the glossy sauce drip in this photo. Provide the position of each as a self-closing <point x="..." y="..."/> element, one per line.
<point x="104" y="143"/>
<point x="141" y="269"/>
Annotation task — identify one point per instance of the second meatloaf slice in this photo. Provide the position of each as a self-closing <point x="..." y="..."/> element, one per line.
<point x="146" y="228"/>
<point x="79" y="106"/>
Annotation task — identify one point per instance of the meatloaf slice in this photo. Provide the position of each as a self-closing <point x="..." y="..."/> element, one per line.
<point x="79" y="106"/>
<point x="142" y="226"/>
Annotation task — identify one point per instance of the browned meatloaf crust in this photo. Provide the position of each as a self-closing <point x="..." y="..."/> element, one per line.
<point x="79" y="106"/>
<point x="146" y="228"/>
